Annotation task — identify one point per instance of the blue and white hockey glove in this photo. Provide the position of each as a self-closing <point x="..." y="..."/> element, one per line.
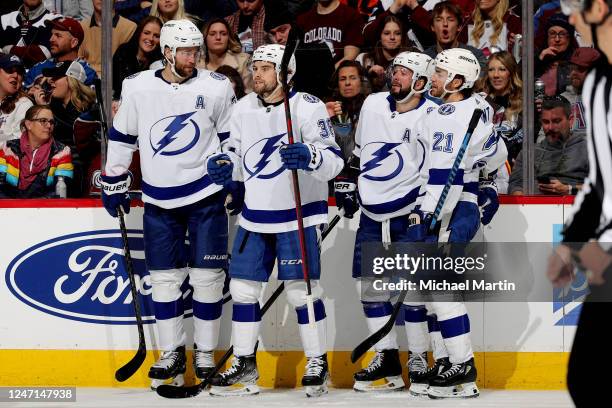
<point x="419" y="228"/>
<point x="115" y="193"/>
<point x="345" y="192"/>
<point x="235" y="197"/>
<point x="488" y="201"/>
<point x="220" y="168"/>
<point x="300" y="156"/>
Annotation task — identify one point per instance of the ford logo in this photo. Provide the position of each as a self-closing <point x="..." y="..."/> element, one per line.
<point x="83" y="277"/>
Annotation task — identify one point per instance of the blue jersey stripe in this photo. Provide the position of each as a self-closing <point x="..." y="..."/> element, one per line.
<point x="117" y="136"/>
<point x="171" y="193"/>
<point x="439" y="177"/>
<point x="392" y="206"/>
<point x="280" y="216"/>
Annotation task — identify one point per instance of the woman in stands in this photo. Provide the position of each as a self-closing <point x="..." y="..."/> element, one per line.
<point x="31" y="165"/>
<point x="168" y="10"/>
<point x="222" y="47"/>
<point x="14" y="102"/>
<point x="492" y="27"/>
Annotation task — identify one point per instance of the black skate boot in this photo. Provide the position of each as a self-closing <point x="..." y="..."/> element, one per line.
<point x="421" y="378"/>
<point x="315" y="376"/>
<point x="384" y="366"/>
<point x="459" y="381"/>
<point x="240" y="379"/>
<point x="417" y="370"/>
<point x="170" y="366"/>
<point x="203" y="362"/>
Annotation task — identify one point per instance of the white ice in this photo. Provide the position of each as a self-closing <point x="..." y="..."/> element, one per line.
<point x="141" y="398"/>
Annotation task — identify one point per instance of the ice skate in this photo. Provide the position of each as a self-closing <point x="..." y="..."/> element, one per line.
<point x="315" y="378"/>
<point x="384" y="373"/>
<point x="169" y="369"/>
<point x="459" y="381"/>
<point x="417" y="371"/>
<point x="203" y="362"/>
<point x="240" y="379"/>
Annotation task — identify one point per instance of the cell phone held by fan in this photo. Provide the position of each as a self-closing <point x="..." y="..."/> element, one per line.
<point x="543" y="179"/>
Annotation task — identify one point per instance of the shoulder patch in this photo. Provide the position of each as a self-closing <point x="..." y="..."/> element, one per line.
<point x="311" y="98"/>
<point x="446" y="109"/>
<point x="133" y="75"/>
<point x="217" y="76"/>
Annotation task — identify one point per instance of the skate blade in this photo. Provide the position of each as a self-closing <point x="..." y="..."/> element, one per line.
<point x="177" y="381"/>
<point x="467" y="390"/>
<point x="314" y="391"/>
<point x="386" y="384"/>
<point x="418" y="389"/>
<point x="236" y="390"/>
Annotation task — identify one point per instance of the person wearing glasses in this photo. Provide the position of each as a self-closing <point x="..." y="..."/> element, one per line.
<point x="31" y="166"/>
<point x="14" y="102"/>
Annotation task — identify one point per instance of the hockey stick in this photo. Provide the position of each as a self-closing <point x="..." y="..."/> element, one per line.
<point x="369" y="342"/>
<point x="332" y="224"/>
<point x="290" y="47"/>
<point x="170" y="391"/>
<point x="134" y="364"/>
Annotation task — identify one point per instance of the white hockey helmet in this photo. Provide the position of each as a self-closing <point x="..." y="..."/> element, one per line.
<point x="419" y="64"/>
<point x="177" y="34"/>
<point x="458" y="61"/>
<point x="274" y="53"/>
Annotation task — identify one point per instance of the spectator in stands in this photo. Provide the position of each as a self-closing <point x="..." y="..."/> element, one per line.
<point x="24" y="33"/>
<point x="234" y="76"/>
<point x="66" y="38"/>
<point x="392" y="40"/>
<point x="582" y="61"/>
<point x="78" y="9"/>
<point x="561" y="161"/>
<point x="503" y="88"/>
<point x="350" y="89"/>
<point x="30" y="166"/>
<point x="248" y="24"/>
<point x="137" y="54"/>
<point x="70" y="99"/>
<point x="14" y="102"/>
<point x="8" y="6"/>
<point x="446" y="21"/>
<point x="493" y="26"/>
<point x="168" y="10"/>
<point x="314" y="60"/>
<point x="336" y="25"/>
<point x="91" y="48"/>
<point x="556" y="46"/>
<point x="209" y="9"/>
<point x="221" y="47"/>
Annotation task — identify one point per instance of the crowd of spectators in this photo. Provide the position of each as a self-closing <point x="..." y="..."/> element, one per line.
<point x="50" y="56"/>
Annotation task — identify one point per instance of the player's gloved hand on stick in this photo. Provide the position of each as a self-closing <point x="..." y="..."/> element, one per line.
<point x="488" y="201"/>
<point x="420" y="227"/>
<point x="235" y="197"/>
<point x="220" y="168"/>
<point x="300" y="156"/>
<point x="345" y="192"/>
<point x="115" y="193"/>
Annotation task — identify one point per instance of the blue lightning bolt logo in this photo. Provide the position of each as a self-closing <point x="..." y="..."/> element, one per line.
<point x="269" y="147"/>
<point x="178" y="123"/>
<point x="376" y="161"/>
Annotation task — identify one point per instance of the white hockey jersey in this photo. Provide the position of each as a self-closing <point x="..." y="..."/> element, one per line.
<point x="390" y="156"/>
<point x="442" y="132"/>
<point x="257" y="132"/>
<point x="175" y="127"/>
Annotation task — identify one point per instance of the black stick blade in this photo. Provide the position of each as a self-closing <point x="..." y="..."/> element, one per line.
<point x="172" y="392"/>
<point x="132" y="366"/>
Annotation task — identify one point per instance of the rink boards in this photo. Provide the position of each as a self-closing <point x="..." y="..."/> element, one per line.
<point x="66" y="316"/>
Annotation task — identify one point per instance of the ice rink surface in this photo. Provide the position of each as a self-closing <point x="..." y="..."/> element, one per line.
<point x="141" y="398"/>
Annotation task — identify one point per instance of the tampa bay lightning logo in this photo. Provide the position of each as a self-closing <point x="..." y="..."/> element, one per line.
<point x="261" y="160"/>
<point x="385" y="161"/>
<point x="174" y="135"/>
<point x="446" y="109"/>
<point x="311" y="98"/>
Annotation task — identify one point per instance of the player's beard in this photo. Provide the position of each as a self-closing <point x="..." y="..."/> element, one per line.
<point x="184" y="70"/>
<point x="264" y="89"/>
<point x="398" y="93"/>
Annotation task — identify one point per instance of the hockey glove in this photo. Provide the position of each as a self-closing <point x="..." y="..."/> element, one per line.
<point x="488" y="201"/>
<point x="300" y="156"/>
<point x="220" y="168"/>
<point x="115" y="193"/>
<point x="235" y="197"/>
<point x="420" y="225"/>
<point x="346" y="196"/>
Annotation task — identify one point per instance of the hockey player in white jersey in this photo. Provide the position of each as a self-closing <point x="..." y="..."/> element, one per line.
<point x="176" y="116"/>
<point x="388" y="158"/>
<point x="260" y="156"/>
<point x="442" y="132"/>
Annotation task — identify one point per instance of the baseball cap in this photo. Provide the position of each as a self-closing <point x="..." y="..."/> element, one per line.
<point x="67" y="24"/>
<point x="584" y="57"/>
<point x="72" y="69"/>
<point x="8" y="61"/>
